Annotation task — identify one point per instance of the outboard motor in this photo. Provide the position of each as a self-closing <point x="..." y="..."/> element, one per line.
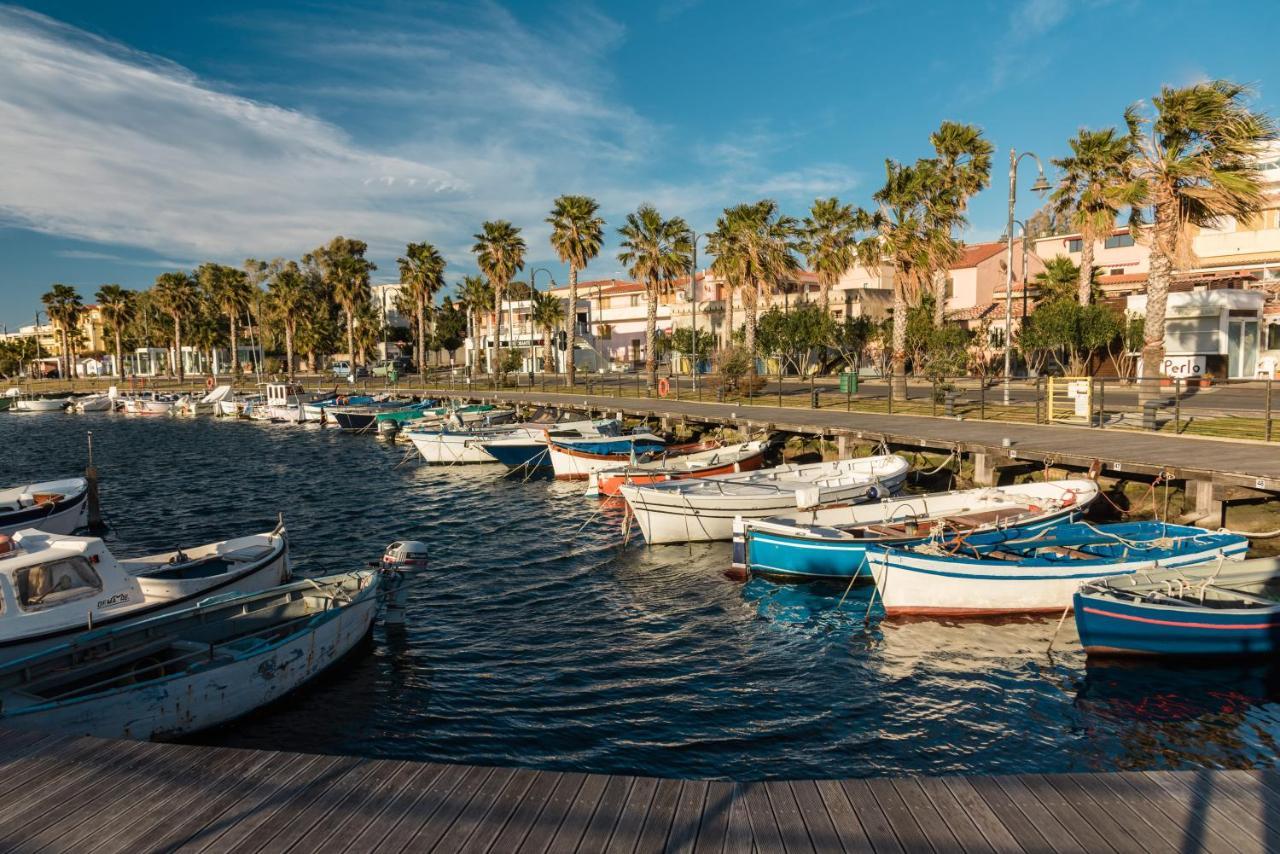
<point x="401" y="558"/>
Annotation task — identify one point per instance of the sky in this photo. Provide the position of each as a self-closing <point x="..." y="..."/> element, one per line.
<point x="138" y="137"/>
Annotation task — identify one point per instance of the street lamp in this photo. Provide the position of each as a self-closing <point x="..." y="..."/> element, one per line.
<point x="1040" y="186"/>
<point x="1025" y="286"/>
<point x="533" y="288"/>
<point x="693" y="293"/>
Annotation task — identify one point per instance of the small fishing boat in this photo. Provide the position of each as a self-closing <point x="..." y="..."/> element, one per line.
<point x="179" y="673"/>
<point x="716" y="460"/>
<point x="529" y="451"/>
<point x="1222" y="608"/>
<point x="55" y="586"/>
<point x="831" y="542"/>
<point x="315" y="410"/>
<point x="104" y="402"/>
<point x="41" y="404"/>
<point x="364" y="417"/>
<point x="703" y="509"/>
<point x="576" y="459"/>
<point x="442" y="446"/>
<point x="56" y="506"/>
<point x="1036" y="574"/>
<point x="149" y="403"/>
<point x="190" y="406"/>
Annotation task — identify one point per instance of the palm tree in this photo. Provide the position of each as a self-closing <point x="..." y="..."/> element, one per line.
<point x="177" y="295"/>
<point x="547" y="316"/>
<point x="656" y="251"/>
<point x="499" y="251"/>
<point x="577" y="235"/>
<point x="1093" y="187"/>
<point x="960" y="169"/>
<point x="287" y="297"/>
<point x="346" y="274"/>
<point x="477" y="297"/>
<point x="829" y="240"/>
<point x="1197" y="160"/>
<point x="117" y="305"/>
<point x="422" y="274"/>
<point x="759" y="243"/>
<point x="727" y="266"/>
<point x="229" y="291"/>
<point x="62" y="304"/>
<point x="1059" y="279"/>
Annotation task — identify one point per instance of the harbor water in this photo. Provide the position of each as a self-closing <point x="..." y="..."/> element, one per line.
<point x="538" y="639"/>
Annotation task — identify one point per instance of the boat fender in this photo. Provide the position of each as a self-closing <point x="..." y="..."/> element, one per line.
<point x="208" y="383"/>
<point x="873" y="492"/>
<point x="7" y="546"/>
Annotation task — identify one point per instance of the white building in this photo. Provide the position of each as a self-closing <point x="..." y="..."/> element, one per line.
<point x="1211" y="332"/>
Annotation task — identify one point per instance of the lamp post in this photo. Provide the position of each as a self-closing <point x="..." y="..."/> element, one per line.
<point x="1040" y="186"/>
<point x="693" y="293"/>
<point x="1025" y="286"/>
<point x="533" y="288"/>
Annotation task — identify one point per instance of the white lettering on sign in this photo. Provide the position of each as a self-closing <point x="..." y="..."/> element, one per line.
<point x="1260" y="483"/>
<point x="1183" y="366"/>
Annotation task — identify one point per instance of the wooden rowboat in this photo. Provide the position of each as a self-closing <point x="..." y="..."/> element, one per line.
<point x="673" y="465"/>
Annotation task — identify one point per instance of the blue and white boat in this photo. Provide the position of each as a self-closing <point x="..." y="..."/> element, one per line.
<point x="1036" y="574"/>
<point x="576" y="459"/>
<point x="831" y="542"/>
<point x="443" y="446"/>
<point x="520" y="451"/>
<point x="1227" y="608"/>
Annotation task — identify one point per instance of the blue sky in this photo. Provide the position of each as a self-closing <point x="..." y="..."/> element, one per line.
<point x="139" y="136"/>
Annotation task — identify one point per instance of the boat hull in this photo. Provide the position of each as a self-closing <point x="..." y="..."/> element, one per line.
<point x="64" y="516"/>
<point x="1111" y="627"/>
<point x="41" y="405"/>
<point x="450" y="448"/>
<point x="609" y="484"/>
<point x="532" y="453"/>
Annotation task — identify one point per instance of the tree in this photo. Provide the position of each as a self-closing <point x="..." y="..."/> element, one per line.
<point x="850" y="338"/>
<point x="287" y="298"/>
<point x="62" y="304"/>
<point x="757" y="243"/>
<point x="450" y="327"/>
<point x="229" y="290"/>
<point x="117" y="307"/>
<point x="346" y="274"/>
<point x="655" y="251"/>
<point x="795" y="336"/>
<point x="1196" y="156"/>
<point x="422" y="274"/>
<point x="960" y="170"/>
<point x="177" y="295"/>
<point x="1069" y="333"/>
<point x="576" y="235"/>
<point x="829" y="240"/>
<point x="546" y="315"/>
<point x="499" y="251"/>
<point x="477" y="298"/>
<point x="1093" y="187"/>
<point x="697" y="349"/>
<point x="1059" y="280"/>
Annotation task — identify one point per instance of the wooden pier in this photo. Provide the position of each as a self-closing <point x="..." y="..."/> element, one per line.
<point x="65" y="794"/>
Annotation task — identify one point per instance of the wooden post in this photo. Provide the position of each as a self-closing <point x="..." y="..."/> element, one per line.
<point x="1210" y="509"/>
<point x="842" y="447"/>
<point x="984" y="473"/>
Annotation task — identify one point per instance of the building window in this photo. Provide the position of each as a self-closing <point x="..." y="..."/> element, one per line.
<point x="1190" y="335"/>
<point x="1075" y="245"/>
<point x="1117" y="271"/>
<point x="950" y="289"/>
<point x="1118" y="241"/>
<point x="635" y="300"/>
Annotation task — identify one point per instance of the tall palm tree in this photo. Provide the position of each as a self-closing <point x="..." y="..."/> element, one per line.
<point x="477" y="298"/>
<point x="62" y="304"/>
<point x="656" y="251"/>
<point x="1093" y="187"/>
<point x="960" y="169"/>
<point x="577" y="235"/>
<point x="1196" y="156"/>
<point x="177" y="295"/>
<point x="727" y="266"/>
<point x="547" y="316"/>
<point x="422" y="274"/>
<point x="117" y="305"/>
<point x="829" y="240"/>
<point x="499" y="251"/>
<point x="287" y="297"/>
<point x="346" y="273"/>
<point x="231" y="293"/>
<point x="760" y="249"/>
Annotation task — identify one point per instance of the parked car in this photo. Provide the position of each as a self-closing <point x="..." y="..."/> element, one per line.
<point x="342" y="370"/>
<point x="401" y="364"/>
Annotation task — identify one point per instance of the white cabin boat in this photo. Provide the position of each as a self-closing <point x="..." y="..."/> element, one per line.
<point x="54" y="586"/>
<point x="179" y="673"/>
<point x="289" y="402"/>
<point x="703" y="509"/>
<point x="55" y="506"/>
<point x="190" y="405"/>
<point x="41" y="404"/>
<point x="149" y="403"/>
<point x="104" y="402"/>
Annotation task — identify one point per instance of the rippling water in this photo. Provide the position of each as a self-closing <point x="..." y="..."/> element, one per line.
<point x="536" y="639"/>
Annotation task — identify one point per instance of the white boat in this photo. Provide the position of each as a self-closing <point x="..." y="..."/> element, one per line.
<point x="716" y="460"/>
<point x="176" y="674"/>
<point x="703" y="509"/>
<point x="238" y="406"/>
<point x="104" y="402"/>
<point x="149" y="403"/>
<point x="55" y="586"/>
<point x="40" y="404"/>
<point x="447" y="447"/>
<point x="576" y="459"/>
<point x="56" y="506"/>
<point x="191" y="406"/>
<point x="1038" y="573"/>
<point x="290" y="402"/>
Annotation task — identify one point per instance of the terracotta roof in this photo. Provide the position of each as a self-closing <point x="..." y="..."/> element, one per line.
<point x="977" y="253"/>
<point x="991" y="311"/>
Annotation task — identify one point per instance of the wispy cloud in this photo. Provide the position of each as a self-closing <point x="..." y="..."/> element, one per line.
<point x="91" y="255"/>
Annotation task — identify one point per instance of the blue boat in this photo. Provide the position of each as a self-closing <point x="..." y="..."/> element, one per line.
<point x="831" y="542"/>
<point x="530" y="452"/>
<point x="1226" y="608"/>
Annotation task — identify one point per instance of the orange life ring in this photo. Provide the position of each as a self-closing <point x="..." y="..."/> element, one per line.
<point x="208" y="383"/>
<point x="664" y="387"/>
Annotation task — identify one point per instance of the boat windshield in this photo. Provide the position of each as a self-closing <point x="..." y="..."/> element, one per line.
<point x="54" y="583"/>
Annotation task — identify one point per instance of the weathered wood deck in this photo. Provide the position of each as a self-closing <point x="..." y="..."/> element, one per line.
<point x="1227" y="463"/>
<point x="82" y="794"/>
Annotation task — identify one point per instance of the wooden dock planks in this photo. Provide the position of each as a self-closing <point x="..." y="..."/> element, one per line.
<point x="77" y="794"/>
